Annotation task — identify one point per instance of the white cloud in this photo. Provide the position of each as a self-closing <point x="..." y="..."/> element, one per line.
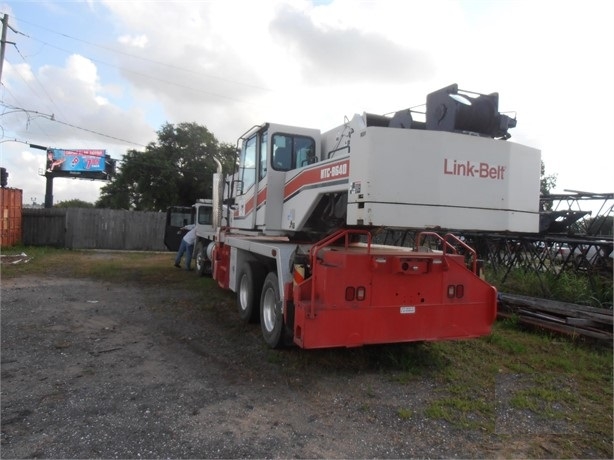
<point x="82" y="69"/>
<point x="333" y="55"/>
<point x="22" y="71"/>
<point x="63" y="107"/>
<point x="139" y="41"/>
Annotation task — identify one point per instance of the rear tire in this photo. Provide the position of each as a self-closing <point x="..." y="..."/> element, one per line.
<point x="271" y="316"/>
<point x="203" y="264"/>
<point x="248" y="291"/>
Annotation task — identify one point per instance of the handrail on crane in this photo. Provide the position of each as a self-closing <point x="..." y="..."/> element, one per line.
<point x="330" y="239"/>
<point x="447" y="245"/>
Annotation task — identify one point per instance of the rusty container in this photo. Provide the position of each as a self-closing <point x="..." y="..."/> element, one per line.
<point x="10" y="219"/>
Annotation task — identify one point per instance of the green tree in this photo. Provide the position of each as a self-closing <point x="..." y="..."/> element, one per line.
<point x="547" y="183"/>
<point x="176" y="170"/>
<point x="76" y="203"/>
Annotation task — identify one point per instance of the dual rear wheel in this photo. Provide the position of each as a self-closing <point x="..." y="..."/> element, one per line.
<point x="258" y="297"/>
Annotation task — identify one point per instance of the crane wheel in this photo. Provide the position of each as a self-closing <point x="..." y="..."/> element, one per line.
<point x="248" y="293"/>
<point x="271" y="316"/>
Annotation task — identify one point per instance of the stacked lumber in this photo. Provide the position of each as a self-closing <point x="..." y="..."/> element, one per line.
<point x="562" y="317"/>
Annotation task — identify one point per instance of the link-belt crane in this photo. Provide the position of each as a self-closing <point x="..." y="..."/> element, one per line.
<point x="291" y="231"/>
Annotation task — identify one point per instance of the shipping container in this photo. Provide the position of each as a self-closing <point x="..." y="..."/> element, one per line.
<point x="10" y="226"/>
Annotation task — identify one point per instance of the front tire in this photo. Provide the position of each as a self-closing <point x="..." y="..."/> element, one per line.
<point x="271" y="316"/>
<point x="248" y="291"/>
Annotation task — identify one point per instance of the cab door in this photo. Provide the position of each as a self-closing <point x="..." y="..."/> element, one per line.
<point x="176" y="218"/>
<point x="250" y="184"/>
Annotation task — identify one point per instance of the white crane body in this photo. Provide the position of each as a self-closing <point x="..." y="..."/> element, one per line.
<point x="303" y="206"/>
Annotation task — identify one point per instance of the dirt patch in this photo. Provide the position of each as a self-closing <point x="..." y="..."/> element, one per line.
<point x="94" y="369"/>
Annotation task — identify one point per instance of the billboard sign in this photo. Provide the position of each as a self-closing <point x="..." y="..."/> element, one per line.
<point x="83" y="163"/>
<point x="75" y="160"/>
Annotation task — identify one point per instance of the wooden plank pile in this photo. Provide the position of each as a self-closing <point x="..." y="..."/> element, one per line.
<point x="562" y="317"/>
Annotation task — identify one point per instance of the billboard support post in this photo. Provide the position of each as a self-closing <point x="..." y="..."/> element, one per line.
<point x="49" y="191"/>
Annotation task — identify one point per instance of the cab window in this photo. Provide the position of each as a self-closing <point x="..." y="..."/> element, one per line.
<point x="205" y="215"/>
<point x="263" y="156"/>
<point x="247" y="165"/>
<point x="292" y="151"/>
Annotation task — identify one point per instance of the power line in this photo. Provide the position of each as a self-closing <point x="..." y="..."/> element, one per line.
<point x="117" y="67"/>
<point x="173" y="83"/>
<point x="134" y="56"/>
<point x="38" y="81"/>
<point x="17" y="100"/>
<point x="4" y="42"/>
<point x="99" y="134"/>
<point x="52" y="118"/>
<point x="148" y="76"/>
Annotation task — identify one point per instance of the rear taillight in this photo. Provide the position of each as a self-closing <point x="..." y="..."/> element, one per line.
<point x="355" y="293"/>
<point x="457" y="291"/>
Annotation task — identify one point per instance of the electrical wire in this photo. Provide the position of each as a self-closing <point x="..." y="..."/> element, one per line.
<point x="148" y="76"/>
<point x="39" y="82"/>
<point x="52" y="118"/>
<point x="17" y="100"/>
<point x="98" y="133"/>
<point x="134" y="56"/>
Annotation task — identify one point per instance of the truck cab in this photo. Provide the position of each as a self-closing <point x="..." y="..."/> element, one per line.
<point x="205" y="235"/>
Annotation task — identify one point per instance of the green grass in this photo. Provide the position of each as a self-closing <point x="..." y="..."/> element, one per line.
<point x="566" y="286"/>
<point x="563" y="374"/>
<point x="562" y="379"/>
<point x="544" y="396"/>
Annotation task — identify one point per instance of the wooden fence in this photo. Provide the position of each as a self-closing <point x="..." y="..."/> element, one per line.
<point x="89" y="228"/>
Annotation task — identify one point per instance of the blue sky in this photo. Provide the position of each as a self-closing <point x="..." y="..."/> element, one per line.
<point x="113" y="72"/>
<point x="53" y="31"/>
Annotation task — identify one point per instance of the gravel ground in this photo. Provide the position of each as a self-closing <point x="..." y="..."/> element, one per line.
<point x="101" y="370"/>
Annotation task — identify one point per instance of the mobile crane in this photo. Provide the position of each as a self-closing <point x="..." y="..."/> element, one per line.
<point x="296" y="242"/>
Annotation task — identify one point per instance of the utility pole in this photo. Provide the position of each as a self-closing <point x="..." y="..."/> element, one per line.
<point x="5" y="25"/>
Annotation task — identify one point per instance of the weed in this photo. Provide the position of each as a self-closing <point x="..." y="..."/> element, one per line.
<point x="547" y="396"/>
<point x="566" y="286"/>
<point x="462" y="412"/>
<point x="505" y="343"/>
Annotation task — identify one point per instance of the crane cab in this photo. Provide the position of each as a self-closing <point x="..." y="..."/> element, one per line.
<point x="269" y="154"/>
